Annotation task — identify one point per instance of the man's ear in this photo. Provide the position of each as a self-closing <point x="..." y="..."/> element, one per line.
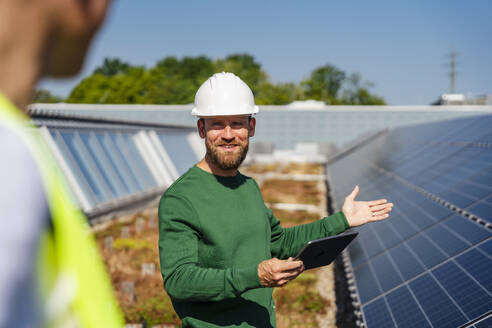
<point x="200" y="124"/>
<point x="252" y="125"/>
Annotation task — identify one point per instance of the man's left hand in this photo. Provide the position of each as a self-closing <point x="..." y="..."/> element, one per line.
<point x="358" y="213"/>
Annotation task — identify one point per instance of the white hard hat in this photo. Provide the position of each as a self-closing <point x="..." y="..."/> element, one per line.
<point x="224" y="94"/>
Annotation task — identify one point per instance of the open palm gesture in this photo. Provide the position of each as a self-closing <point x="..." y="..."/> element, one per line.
<point x="358" y="213"/>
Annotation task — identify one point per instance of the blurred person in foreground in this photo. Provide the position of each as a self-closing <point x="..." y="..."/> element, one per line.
<point x="221" y="249"/>
<point x="50" y="271"/>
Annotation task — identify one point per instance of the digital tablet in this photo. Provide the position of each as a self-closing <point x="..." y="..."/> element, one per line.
<point x="323" y="251"/>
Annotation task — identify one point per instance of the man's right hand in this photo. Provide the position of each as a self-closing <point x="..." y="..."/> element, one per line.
<point x="277" y="273"/>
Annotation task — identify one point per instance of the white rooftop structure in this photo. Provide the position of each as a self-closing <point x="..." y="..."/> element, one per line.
<point x="285" y="126"/>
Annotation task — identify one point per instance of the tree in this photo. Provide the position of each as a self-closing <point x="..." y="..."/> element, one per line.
<point x="357" y="93"/>
<point x="244" y="66"/>
<point x="175" y="81"/>
<point x="195" y="69"/>
<point x="127" y="88"/>
<point x="45" y="96"/>
<point x="324" y="84"/>
<point x="277" y="94"/>
<point x="171" y="90"/>
<point x="112" y="67"/>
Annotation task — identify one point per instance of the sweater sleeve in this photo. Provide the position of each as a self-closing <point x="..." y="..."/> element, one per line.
<point x="184" y="279"/>
<point x="287" y="242"/>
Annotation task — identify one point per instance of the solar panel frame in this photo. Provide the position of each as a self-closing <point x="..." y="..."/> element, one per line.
<point x="485" y="323"/>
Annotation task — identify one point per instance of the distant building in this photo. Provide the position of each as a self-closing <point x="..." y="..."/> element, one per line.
<point x="450" y="99"/>
<point x="306" y="104"/>
<point x="461" y="99"/>
<point x="480" y="100"/>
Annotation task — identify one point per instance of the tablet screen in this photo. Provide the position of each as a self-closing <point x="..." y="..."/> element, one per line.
<point x="323" y="251"/>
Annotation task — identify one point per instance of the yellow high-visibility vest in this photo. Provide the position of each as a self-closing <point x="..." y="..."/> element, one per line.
<point x="74" y="286"/>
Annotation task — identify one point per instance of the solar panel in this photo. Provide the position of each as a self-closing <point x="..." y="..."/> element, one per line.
<point x="472" y="298"/>
<point x="483" y="209"/>
<point x="179" y="150"/>
<point x="428" y="253"/>
<point x="408" y="264"/>
<point x="130" y="170"/>
<point x="386" y="229"/>
<point x="430" y="264"/>
<point x="386" y="272"/>
<point x="367" y="283"/>
<point x="76" y="170"/>
<point x="110" y="164"/>
<point x="103" y="164"/>
<point x="467" y="229"/>
<point x="377" y="314"/>
<point x="479" y="266"/>
<point x="118" y="167"/>
<point x="139" y="168"/>
<point x="446" y="241"/>
<point x="441" y="310"/>
<point x="405" y="309"/>
<point x="487" y="247"/>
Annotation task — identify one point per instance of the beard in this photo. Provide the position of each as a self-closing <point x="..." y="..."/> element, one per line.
<point x="227" y="160"/>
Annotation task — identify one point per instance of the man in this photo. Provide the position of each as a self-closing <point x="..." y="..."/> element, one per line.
<point x="50" y="274"/>
<point x="221" y="249"/>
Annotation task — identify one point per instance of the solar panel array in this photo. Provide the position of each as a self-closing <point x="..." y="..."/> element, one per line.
<point x="109" y="163"/>
<point x="430" y="263"/>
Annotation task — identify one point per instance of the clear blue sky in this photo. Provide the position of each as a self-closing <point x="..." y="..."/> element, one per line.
<point x="401" y="46"/>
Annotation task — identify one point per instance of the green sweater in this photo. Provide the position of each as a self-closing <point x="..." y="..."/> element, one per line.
<point x="213" y="233"/>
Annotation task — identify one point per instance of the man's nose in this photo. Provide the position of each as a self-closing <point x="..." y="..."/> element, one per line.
<point x="228" y="133"/>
